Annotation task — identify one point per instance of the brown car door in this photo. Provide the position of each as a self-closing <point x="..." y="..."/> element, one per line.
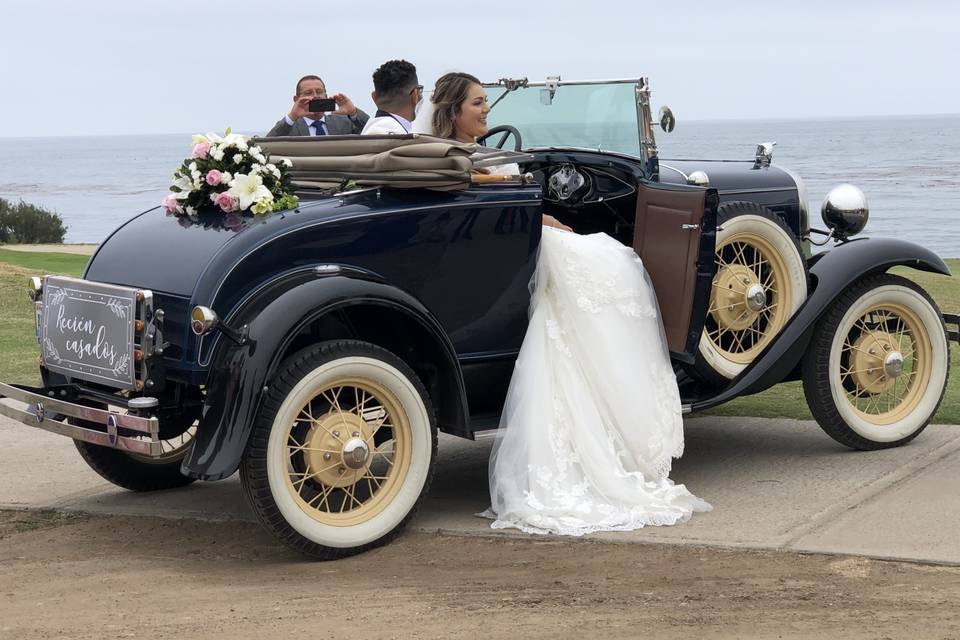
<point x="674" y="236"/>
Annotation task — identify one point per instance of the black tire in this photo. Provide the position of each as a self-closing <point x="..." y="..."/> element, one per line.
<point x="130" y="473"/>
<point x="268" y="462"/>
<point x="722" y="356"/>
<point x="826" y="389"/>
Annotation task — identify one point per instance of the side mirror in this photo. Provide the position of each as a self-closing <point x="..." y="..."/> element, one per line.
<point x="667" y="121"/>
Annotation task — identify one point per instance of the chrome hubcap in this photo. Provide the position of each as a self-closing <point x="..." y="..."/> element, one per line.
<point x="756" y="297"/>
<point x="893" y="364"/>
<point x="355" y="453"/>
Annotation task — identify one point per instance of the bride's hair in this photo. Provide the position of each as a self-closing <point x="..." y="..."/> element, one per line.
<point x="448" y="94"/>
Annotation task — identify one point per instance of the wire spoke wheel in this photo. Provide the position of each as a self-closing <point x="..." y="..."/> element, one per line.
<point x="342" y="450"/>
<point x="760" y="280"/>
<point x="138" y="472"/>
<point x="172" y="449"/>
<point x="878" y="364"/>
<point x="886" y="363"/>
<point x="749" y="299"/>
<point x="348" y="452"/>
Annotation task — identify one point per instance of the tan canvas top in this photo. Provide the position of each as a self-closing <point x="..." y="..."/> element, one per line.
<point x="392" y="160"/>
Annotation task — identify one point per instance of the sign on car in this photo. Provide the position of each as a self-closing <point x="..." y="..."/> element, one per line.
<point x="87" y="330"/>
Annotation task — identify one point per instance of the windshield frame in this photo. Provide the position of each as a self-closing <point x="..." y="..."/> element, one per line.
<point x="648" y="145"/>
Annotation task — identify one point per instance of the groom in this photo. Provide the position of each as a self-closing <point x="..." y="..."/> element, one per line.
<point x="397" y="94"/>
<point x="301" y="121"/>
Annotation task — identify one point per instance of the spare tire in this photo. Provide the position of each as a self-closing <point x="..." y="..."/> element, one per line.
<point x="760" y="282"/>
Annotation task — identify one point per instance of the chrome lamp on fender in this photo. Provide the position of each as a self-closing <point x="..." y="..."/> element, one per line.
<point x="203" y="320"/>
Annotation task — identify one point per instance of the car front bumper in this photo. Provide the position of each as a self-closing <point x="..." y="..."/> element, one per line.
<point x="124" y="431"/>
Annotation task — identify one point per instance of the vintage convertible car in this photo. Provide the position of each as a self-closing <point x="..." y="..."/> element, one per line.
<point x="319" y="350"/>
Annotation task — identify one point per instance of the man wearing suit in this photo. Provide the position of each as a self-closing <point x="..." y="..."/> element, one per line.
<point x="300" y="121"/>
<point x="396" y="92"/>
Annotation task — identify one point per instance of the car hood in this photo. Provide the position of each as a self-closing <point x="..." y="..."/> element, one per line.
<point x="728" y="175"/>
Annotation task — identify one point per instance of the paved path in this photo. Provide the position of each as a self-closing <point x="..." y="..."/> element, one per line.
<point x="84" y="249"/>
<point x="774" y="484"/>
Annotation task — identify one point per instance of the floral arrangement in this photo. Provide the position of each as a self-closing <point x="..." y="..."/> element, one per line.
<point x="232" y="175"/>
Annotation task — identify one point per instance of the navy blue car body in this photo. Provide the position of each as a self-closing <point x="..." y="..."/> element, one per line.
<point x="440" y="278"/>
<point x="318" y="350"/>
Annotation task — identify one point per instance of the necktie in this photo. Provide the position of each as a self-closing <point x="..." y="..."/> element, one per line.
<point x="318" y="127"/>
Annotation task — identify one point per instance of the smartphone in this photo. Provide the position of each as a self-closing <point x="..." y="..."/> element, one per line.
<point x="322" y="104"/>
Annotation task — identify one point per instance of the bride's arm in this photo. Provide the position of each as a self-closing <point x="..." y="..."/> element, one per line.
<point x="550" y="221"/>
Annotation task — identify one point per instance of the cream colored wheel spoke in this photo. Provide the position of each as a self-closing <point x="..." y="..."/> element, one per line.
<point x="332" y="484"/>
<point x="735" y="329"/>
<point x="872" y="338"/>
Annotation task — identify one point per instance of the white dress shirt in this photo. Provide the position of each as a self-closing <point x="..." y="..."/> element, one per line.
<point x="313" y="125"/>
<point x="382" y="125"/>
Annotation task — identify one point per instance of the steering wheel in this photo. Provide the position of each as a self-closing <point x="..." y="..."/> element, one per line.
<point x="506" y="131"/>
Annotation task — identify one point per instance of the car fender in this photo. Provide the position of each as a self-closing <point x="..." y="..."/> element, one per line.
<point x="240" y="373"/>
<point x="831" y="273"/>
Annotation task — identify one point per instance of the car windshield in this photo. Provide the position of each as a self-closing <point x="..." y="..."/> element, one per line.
<point x="596" y="115"/>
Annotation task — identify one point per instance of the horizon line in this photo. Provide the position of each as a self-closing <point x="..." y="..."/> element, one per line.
<point x="694" y="120"/>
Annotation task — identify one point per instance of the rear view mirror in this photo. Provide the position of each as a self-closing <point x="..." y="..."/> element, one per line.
<point x="667" y="121"/>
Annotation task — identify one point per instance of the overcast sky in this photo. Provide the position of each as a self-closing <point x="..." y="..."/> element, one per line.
<point x="109" y="66"/>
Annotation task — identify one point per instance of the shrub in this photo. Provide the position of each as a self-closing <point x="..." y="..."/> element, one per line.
<point x="24" y="223"/>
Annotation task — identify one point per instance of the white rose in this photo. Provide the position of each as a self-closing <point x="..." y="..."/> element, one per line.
<point x="238" y="158"/>
<point x="191" y="211"/>
<point x="216" y="153"/>
<point x="272" y="168"/>
<point x="225" y="177"/>
<point x="259" y="158"/>
<point x="287" y="162"/>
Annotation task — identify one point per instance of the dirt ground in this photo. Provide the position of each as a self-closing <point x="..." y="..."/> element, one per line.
<point x="79" y="576"/>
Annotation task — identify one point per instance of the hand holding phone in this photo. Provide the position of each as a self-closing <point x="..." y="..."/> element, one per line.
<point x="321" y="105"/>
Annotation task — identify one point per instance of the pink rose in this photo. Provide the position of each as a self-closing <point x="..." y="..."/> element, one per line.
<point x="170" y="203"/>
<point x="214" y="177"/>
<point x="200" y="150"/>
<point x="226" y="202"/>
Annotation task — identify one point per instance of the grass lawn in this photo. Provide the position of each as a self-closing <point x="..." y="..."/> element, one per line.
<point x="18" y="347"/>
<point x="786" y="400"/>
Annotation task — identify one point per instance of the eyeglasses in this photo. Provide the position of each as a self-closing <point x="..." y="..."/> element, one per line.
<point x="418" y="89"/>
<point x="314" y="93"/>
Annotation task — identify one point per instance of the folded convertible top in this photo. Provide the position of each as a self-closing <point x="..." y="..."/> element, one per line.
<point x="405" y="161"/>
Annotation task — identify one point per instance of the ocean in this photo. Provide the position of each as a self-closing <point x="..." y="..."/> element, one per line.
<point x="908" y="166"/>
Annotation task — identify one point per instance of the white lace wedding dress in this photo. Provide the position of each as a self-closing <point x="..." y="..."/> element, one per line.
<point x="592" y="419"/>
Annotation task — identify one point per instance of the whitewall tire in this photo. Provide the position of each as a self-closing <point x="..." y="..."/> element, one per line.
<point x="342" y="451"/>
<point x="878" y="366"/>
<point x="760" y="282"/>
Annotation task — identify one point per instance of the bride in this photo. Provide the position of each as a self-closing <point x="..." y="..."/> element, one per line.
<point x="592" y="417"/>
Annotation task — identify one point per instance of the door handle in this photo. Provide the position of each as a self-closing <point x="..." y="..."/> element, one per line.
<point x="689" y="227"/>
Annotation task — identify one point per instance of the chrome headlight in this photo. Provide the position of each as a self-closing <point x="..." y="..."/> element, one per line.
<point x="845" y="210"/>
<point x="699" y="178"/>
